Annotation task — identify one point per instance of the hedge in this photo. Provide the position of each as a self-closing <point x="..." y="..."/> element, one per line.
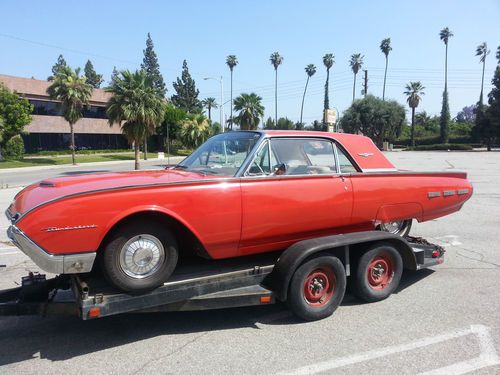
<point x="434" y="141"/>
<point x="441" y="147"/>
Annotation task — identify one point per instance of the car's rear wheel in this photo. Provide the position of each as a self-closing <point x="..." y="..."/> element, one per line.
<point x="317" y="288"/>
<point x="140" y="257"/>
<point x="401" y="228"/>
<point x="378" y="273"/>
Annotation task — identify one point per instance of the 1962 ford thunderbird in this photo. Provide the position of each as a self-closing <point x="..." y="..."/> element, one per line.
<point x="240" y="193"/>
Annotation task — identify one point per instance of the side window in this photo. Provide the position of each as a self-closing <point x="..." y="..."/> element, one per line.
<point x="261" y="164"/>
<point x="305" y="156"/>
<point x="345" y="164"/>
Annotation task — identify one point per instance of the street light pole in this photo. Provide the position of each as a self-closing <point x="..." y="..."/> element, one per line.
<point x="221" y="107"/>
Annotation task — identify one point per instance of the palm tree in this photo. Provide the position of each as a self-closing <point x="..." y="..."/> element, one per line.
<point x="385" y="47"/>
<point x="231" y="61"/>
<point x="414" y="91"/>
<point x="310" y="71"/>
<point x="276" y="60"/>
<point x="483" y="51"/>
<point x="251" y="110"/>
<point x="135" y="106"/>
<point x="74" y="93"/>
<point x="210" y="103"/>
<point x="194" y="130"/>
<point x="356" y="63"/>
<point x="445" y="35"/>
<point x="328" y="61"/>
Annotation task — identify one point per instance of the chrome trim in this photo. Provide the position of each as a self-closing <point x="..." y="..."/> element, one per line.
<point x="366" y="154"/>
<point x="448" y="193"/>
<point x="434" y="194"/>
<point x="377" y="170"/>
<point x="58" y="264"/>
<point x="462" y="191"/>
<point x="336" y="157"/>
<point x="59" y="229"/>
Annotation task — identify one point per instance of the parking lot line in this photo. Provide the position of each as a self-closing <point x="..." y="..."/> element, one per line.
<point x="488" y="356"/>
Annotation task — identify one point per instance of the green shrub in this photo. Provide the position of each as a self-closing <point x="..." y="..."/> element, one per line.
<point x="14" y="148"/>
<point x="441" y="147"/>
<point x="434" y="140"/>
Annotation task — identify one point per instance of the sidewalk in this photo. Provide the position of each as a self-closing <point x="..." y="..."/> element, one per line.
<point x="173" y="160"/>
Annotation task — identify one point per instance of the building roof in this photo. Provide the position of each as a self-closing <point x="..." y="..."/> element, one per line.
<point x="37" y="89"/>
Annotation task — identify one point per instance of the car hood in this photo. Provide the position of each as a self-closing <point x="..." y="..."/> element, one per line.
<point x="55" y="188"/>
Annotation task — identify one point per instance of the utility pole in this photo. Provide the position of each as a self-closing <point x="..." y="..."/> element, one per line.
<point x="365" y="86"/>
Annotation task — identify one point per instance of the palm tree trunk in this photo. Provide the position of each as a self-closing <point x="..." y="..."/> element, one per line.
<point x="231" y="117"/>
<point x="303" y="98"/>
<point x="446" y="69"/>
<point x="146" y="147"/>
<point x="327" y="100"/>
<point x="276" y="98"/>
<point x="385" y="76"/>
<point x="72" y="143"/>
<point x="210" y="114"/>
<point x="354" y="87"/>
<point x="412" y="134"/>
<point x="482" y="84"/>
<point x="136" y="153"/>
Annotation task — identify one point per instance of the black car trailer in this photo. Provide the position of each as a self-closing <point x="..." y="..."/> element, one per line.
<point x="310" y="276"/>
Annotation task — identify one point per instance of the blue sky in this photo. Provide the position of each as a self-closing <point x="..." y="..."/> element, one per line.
<point x="113" y="33"/>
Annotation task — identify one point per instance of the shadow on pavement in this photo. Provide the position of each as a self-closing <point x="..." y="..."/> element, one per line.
<point x="61" y="338"/>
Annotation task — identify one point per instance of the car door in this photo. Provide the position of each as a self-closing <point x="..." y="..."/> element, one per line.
<point x="292" y="191"/>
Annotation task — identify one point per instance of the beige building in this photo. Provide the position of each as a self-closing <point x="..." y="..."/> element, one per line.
<point x="50" y="131"/>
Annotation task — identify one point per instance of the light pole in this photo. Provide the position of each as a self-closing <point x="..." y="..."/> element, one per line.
<point x="221" y="107"/>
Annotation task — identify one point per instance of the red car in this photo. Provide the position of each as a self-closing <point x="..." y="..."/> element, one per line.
<point x="240" y="193"/>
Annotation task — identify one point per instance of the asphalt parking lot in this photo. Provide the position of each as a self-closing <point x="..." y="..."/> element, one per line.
<point x="444" y="320"/>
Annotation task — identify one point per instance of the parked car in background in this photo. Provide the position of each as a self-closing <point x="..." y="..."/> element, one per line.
<point x="240" y="193"/>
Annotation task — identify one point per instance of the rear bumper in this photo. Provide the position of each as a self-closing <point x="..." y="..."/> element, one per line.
<point x="58" y="264"/>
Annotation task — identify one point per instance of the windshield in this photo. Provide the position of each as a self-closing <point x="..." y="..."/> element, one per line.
<point x="221" y="155"/>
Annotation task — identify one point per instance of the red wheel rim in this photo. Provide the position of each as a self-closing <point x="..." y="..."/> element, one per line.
<point x="380" y="271"/>
<point x="319" y="287"/>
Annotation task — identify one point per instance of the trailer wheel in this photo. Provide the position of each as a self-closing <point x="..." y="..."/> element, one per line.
<point x="140" y="257"/>
<point x="378" y="273"/>
<point x="317" y="288"/>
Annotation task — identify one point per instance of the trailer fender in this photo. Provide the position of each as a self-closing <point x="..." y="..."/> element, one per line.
<point x="339" y="245"/>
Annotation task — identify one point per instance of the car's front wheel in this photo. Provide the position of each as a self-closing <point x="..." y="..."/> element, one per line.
<point x="140" y="257"/>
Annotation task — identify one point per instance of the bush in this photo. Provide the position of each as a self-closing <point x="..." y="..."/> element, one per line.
<point x="441" y="147"/>
<point x="433" y="141"/>
<point x="14" y="148"/>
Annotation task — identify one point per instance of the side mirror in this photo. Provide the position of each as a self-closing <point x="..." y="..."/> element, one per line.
<point x="280" y="169"/>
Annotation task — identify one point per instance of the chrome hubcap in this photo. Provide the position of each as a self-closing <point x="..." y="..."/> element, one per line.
<point x="394" y="227"/>
<point x="141" y="256"/>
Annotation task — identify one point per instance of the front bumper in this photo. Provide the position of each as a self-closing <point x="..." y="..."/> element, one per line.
<point x="58" y="264"/>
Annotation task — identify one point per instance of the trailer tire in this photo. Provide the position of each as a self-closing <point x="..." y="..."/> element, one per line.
<point x="317" y="288"/>
<point x="378" y="273"/>
<point x="140" y="256"/>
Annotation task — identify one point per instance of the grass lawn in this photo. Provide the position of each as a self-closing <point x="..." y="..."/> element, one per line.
<point x="57" y="160"/>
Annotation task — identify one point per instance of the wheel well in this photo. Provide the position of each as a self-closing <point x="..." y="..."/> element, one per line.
<point x="188" y="243"/>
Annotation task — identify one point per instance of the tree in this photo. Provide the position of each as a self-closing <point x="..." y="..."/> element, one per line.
<point x="269" y="124"/>
<point x="482" y="51"/>
<point x="194" y="130"/>
<point x="444" y="123"/>
<point x="284" y="123"/>
<point x="490" y="125"/>
<point x="380" y="120"/>
<point x="93" y="79"/>
<point x="276" y="60"/>
<point x="58" y="67"/>
<point x="73" y="92"/>
<point x="310" y="71"/>
<point x="356" y="63"/>
<point x="385" y="47"/>
<point x="231" y="62"/>
<point x="152" y="68"/>
<point x="414" y="92"/>
<point x="136" y="106"/>
<point x="15" y="114"/>
<point x="251" y="110"/>
<point x="209" y="103"/>
<point x="114" y="76"/>
<point x="467" y="114"/>
<point x="186" y="96"/>
<point x="328" y="61"/>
